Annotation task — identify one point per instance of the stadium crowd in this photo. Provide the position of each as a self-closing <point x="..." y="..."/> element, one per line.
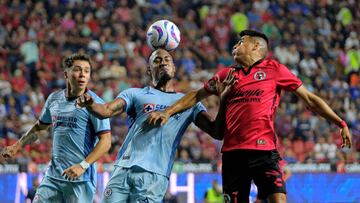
<point x="318" y="40"/>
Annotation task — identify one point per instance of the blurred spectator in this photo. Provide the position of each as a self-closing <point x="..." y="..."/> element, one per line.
<point x="214" y="194"/>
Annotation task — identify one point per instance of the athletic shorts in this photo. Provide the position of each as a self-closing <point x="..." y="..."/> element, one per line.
<point x="240" y="167"/>
<point x="57" y="191"/>
<point x="135" y="185"/>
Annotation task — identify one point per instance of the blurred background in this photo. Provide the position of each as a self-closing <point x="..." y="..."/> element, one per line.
<point x="317" y="40"/>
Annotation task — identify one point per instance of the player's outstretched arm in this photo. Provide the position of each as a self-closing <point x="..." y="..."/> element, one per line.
<point x="102" y="147"/>
<point x="186" y="102"/>
<point x="29" y="137"/>
<point x="102" y="111"/>
<point x="316" y="104"/>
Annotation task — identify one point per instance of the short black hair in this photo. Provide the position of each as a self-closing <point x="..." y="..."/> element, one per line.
<point x="254" y="33"/>
<point x="69" y="61"/>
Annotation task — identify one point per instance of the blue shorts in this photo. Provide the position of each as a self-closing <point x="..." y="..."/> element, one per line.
<point x="135" y="185"/>
<point x="57" y="191"/>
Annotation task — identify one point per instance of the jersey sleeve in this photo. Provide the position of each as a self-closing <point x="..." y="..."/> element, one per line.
<point x="199" y="107"/>
<point x="100" y="125"/>
<point x="45" y="116"/>
<point x="210" y="85"/>
<point x="286" y="80"/>
<point x="128" y="96"/>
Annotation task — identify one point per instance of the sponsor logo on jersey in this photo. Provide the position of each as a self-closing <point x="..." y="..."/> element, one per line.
<point x="64" y="121"/>
<point x="153" y="107"/>
<point x="148" y="108"/>
<point x="243" y="95"/>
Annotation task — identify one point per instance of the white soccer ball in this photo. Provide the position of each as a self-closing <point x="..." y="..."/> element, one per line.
<point x="163" y="34"/>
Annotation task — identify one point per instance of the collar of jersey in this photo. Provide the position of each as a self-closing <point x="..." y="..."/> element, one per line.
<point x="72" y="98"/>
<point x="238" y="66"/>
<point x="173" y="92"/>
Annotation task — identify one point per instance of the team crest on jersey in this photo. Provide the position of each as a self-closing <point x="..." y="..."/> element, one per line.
<point x="148" y="108"/>
<point x="260" y="75"/>
<point x="36" y="198"/>
<point x="108" y="192"/>
<point x="212" y="85"/>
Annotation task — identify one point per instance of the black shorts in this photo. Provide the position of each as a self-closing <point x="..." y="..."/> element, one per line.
<point x="240" y="167"/>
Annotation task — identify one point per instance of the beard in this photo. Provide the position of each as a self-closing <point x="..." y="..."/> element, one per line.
<point x="163" y="79"/>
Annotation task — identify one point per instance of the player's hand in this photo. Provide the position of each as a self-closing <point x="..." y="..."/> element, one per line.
<point x="2" y="159"/>
<point x="223" y="88"/>
<point x="84" y="101"/>
<point x="73" y="172"/>
<point x="158" y="117"/>
<point x="10" y="151"/>
<point x="346" y="137"/>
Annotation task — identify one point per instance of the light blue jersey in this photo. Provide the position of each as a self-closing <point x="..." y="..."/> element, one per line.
<point x="152" y="147"/>
<point x="74" y="134"/>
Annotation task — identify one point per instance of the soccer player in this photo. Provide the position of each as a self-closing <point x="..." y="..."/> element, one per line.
<point x="145" y="160"/>
<point x="249" y="137"/>
<point x="79" y="138"/>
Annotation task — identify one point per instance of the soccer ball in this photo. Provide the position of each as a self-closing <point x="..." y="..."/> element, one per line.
<point x="163" y="34"/>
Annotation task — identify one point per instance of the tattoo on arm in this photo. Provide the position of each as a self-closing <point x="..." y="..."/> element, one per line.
<point x="31" y="135"/>
<point x="116" y="107"/>
<point x="119" y="107"/>
<point x="28" y="138"/>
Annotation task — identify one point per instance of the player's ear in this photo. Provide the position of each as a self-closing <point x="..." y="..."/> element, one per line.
<point x="256" y="45"/>
<point x="148" y="71"/>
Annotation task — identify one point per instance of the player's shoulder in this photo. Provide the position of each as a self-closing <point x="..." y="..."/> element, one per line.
<point x="224" y="71"/>
<point x="270" y="63"/>
<point x="95" y="96"/>
<point x="133" y="92"/>
<point x="56" y="95"/>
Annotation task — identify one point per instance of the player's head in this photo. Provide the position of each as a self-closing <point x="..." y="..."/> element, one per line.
<point x="77" y="70"/>
<point x="161" y="67"/>
<point x="251" y="43"/>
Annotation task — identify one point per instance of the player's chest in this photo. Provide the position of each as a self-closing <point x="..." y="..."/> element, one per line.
<point x="66" y="110"/>
<point x="256" y="82"/>
<point x="150" y="103"/>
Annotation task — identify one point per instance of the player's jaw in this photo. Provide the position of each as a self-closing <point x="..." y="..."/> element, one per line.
<point x="164" y="73"/>
<point x="79" y="84"/>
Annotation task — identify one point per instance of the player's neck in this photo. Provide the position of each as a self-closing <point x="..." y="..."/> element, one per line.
<point x="167" y="87"/>
<point x="71" y="93"/>
<point x="250" y="61"/>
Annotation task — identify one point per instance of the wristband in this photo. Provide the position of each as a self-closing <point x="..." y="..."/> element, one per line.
<point x="84" y="164"/>
<point x="343" y="124"/>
